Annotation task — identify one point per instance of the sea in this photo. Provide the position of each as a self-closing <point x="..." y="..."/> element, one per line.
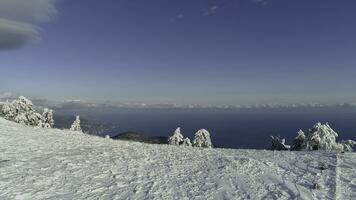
<point x="238" y="128"/>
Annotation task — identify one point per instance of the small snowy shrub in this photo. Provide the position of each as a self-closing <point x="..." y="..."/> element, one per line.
<point x="346" y="146"/>
<point x="299" y="141"/>
<point x="202" y="139"/>
<point x="186" y="142"/>
<point x="278" y="144"/>
<point x="76" y="125"/>
<point x="176" y="138"/>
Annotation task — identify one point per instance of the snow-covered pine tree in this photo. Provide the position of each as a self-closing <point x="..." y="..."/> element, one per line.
<point x="186" y="142"/>
<point x="278" y="144"/>
<point x="21" y="111"/>
<point x="322" y="137"/>
<point x="176" y="138"/>
<point x="202" y="139"/>
<point x="48" y="118"/>
<point x="299" y="142"/>
<point x="76" y="125"/>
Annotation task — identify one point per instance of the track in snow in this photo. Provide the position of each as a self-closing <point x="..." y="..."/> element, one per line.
<point x="346" y="176"/>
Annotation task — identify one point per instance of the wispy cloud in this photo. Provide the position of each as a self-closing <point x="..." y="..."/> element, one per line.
<point x="260" y="2"/>
<point x="211" y="11"/>
<point x="178" y="17"/>
<point x="18" y="19"/>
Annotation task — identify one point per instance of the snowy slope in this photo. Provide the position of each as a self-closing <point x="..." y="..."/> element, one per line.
<point x="54" y="164"/>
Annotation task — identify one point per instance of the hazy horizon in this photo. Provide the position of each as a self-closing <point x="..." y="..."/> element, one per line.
<point x="45" y="101"/>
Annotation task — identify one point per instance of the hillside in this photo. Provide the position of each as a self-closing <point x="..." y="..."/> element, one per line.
<point x="138" y="137"/>
<point x="40" y="163"/>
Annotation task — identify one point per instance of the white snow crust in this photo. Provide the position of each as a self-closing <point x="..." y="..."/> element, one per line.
<point x="38" y="163"/>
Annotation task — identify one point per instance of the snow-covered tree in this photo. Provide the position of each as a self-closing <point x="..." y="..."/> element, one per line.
<point x="299" y="141"/>
<point x="21" y="111"/>
<point x="176" y="138"/>
<point x="16" y="107"/>
<point x="76" y="125"/>
<point x="278" y="144"/>
<point x="48" y="118"/>
<point x="202" y="139"/>
<point x="19" y="108"/>
<point x="322" y="137"/>
<point x="186" y="142"/>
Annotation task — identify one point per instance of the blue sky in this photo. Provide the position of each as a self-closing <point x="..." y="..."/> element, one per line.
<point x="182" y="51"/>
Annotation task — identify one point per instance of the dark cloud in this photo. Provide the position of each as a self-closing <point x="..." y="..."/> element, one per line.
<point x="15" y="34"/>
<point x="18" y="19"/>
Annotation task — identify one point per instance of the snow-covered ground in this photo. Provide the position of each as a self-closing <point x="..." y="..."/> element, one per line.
<point x="40" y="163"/>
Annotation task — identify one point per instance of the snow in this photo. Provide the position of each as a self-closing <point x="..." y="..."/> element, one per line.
<point x="38" y="163"/>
